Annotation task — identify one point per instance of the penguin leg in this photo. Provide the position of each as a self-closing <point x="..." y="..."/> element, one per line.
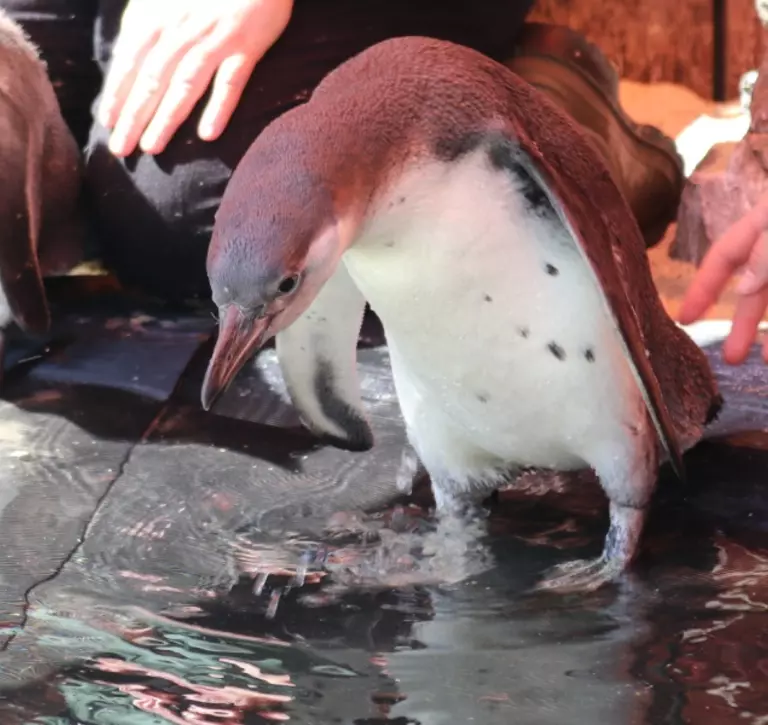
<point x="628" y="479"/>
<point x="464" y="505"/>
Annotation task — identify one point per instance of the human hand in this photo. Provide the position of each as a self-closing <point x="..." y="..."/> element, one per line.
<point x="743" y="247"/>
<point x="165" y="56"/>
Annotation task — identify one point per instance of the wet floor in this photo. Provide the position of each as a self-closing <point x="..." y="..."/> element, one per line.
<point x="160" y="565"/>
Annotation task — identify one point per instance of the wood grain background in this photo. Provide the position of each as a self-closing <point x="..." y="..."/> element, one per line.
<point x="659" y="40"/>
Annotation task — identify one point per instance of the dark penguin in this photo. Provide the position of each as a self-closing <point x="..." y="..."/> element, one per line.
<point x="40" y="168"/>
<point x="509" y="274"/>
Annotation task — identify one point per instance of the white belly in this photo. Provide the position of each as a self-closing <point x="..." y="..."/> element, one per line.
<point x="502" y="352"/>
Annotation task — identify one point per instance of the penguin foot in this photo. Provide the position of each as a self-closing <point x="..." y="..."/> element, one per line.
<point x="621" y="545"/>
<point x="581" y="575"/>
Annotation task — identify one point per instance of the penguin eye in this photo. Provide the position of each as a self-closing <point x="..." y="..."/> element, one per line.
<point x="288" y="284"/>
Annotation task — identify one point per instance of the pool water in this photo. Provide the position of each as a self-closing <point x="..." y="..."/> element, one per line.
<point x="160" y="565"/>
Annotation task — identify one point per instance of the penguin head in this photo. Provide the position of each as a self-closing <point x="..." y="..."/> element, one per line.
<point x="275" y="243"/>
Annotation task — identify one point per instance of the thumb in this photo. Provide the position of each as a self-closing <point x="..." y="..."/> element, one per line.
<point x="754" y="278"/>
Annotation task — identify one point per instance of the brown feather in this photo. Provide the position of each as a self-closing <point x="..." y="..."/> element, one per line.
<point x="40" y="220"/>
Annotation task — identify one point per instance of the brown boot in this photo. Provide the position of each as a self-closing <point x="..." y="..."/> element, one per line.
<point x="579" y="78"/>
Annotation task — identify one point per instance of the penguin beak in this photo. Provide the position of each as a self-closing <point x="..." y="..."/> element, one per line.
<point x="239" y="338"/>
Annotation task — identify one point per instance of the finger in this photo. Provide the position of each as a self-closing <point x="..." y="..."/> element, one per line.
<point x="749" y="312"/>
<point x="236" y="69"/>
<point x="187" y="86"/>
<point x="149" y="87"/>
<point x="755" y="275"/>
<point x="765" y="348"/>
<point x="125" y="64"/>
<point x="726" y="256"/>
<point x="228" y="87"/>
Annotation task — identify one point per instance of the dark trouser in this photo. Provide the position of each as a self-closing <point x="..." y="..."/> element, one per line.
<point x="153" y="215"/>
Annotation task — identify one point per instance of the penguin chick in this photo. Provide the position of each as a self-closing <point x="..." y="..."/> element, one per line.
<point x="510" y="276"/>
<point x="41" y="228"/>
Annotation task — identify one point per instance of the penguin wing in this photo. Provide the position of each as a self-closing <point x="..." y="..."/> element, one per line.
<point x="20" y="206"/>
<point x="318" y="359"/>
<point x="563" y="167"/>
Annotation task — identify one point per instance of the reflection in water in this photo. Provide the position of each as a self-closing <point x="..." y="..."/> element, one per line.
<point x="196" y="703"/>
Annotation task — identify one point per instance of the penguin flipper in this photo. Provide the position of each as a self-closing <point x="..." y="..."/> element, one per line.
<point x="21" y="281"/>
<point x="601" y="233"/>
<point x="318" y="359"/>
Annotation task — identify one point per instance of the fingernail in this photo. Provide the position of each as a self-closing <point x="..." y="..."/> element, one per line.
<point x="748" y="283"/>
<point x="205" y="130"/>
<point x="149" y="142"/>
<point x="117" y="144"/>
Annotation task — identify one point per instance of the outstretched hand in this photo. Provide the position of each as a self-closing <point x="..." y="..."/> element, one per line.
<point x="166" y="54"/>
<point x="743" y="247"/>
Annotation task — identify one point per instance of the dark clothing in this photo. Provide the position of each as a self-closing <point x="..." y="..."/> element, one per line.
<point x="153" y="215"/>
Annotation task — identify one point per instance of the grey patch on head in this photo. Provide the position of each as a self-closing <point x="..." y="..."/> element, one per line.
<point x="552" y="270"/>
<point x="401" y="200"/>
<point x="589" y="355"/>
<point x="482" y="397"/>
<point x="487" y="298"/>
<point x="359" y="436"/>
<point x="556" y="350"/>
<point x="389" y="244"/>
<point x="715" y="408"/>
<point x="523" y="331"/>
<point x="502" y="156"/>
<point x="452" y="149"/>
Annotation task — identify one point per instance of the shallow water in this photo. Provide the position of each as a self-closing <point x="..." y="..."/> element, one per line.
<point x="137" y="532"/>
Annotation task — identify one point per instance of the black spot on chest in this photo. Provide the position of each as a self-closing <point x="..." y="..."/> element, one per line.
<point x="556" y="350"/>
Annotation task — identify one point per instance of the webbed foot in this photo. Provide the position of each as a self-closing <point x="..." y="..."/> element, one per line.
<point x="621" y="545"/>
<point x="581" y="575"/>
